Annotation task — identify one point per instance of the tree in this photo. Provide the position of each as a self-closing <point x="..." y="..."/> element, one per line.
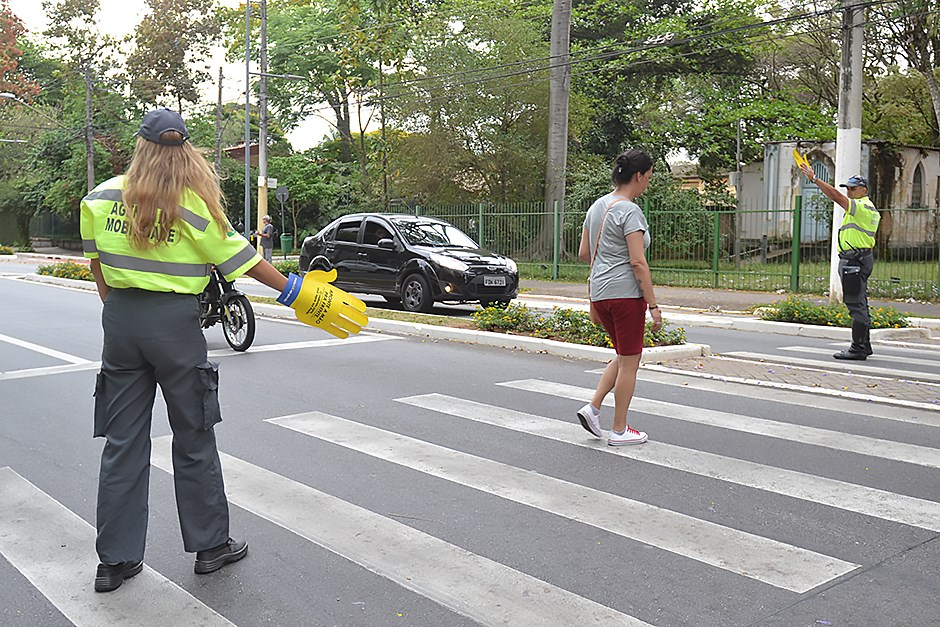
<point x="471" y="106"/>
<point x="12" y="78"/>
<point x="911" y="30"/>
<point x="171" y="45"/>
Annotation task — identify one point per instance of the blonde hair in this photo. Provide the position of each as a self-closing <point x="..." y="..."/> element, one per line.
<point x="157" y="178"/>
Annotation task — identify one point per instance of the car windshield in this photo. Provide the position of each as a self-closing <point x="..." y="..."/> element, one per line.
<point x="434" y="234"/>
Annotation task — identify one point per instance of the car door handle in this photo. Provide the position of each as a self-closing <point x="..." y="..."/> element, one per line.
<point x="362" y="255"/>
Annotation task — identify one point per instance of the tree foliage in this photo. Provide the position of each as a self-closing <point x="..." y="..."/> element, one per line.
<point x="12" y="78"/>
<point x="171" y="47"/>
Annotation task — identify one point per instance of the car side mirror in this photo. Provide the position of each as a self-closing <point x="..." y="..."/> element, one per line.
<point x="387" y="243"/>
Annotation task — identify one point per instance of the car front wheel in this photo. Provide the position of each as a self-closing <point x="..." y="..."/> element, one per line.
<point x="416" y="295"/>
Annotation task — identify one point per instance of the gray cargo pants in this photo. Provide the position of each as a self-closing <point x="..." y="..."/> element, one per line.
<point x="151" y="338"/>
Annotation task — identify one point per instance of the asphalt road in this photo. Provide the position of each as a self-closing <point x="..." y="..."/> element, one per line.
<point x="389" y="480"/>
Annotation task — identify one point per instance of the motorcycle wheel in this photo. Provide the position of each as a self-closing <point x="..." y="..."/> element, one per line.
<point x="238" y="323"/>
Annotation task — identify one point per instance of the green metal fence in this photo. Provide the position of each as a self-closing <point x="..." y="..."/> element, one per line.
<point x="715" y="247"/>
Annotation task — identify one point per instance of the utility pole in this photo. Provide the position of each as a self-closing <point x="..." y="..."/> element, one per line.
<point x="247" y="225"/>
<point x="89" y="132"/>
<point x="218" y="128"/>
<point x="263" y="126"/>
<point x="560" y="86"/>
<point x="384" y="144"/>
<point x="849" y="131"/>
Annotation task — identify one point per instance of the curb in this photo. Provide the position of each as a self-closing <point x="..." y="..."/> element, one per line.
<point x="658" y="354"/>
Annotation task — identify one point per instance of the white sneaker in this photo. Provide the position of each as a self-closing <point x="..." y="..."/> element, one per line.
<point x="591" y="420"/>
<point x="630" y="436"/>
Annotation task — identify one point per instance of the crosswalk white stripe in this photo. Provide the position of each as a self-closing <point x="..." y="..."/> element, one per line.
<point x="55" y="551"/>
<point x="815" y="391"/>
<point x="910" y="346"/>
<point x="864" y="445"/>
<point x="857" y="367"/>
<point x="880" y="357"/>
<point x="839" y="494"/>
<point x="49" y="352"/>
<point x="772" y="562"/>
<point x="789" y="396"/>
<point x="469" y="584"/>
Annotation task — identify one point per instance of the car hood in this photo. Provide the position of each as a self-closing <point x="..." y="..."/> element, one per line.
<point x="470" y="256"/>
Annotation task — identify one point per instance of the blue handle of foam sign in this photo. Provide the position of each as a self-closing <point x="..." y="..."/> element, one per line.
<point x="291" y="290"/>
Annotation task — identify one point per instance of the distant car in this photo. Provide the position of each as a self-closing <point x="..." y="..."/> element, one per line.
<point x="412" y="259"/>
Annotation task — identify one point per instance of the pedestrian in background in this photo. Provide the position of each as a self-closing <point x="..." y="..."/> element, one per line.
<point x="856" y="259"/>
<point x="151" y="236"/>
<point x="267" y="239"/>
<point x="614" y="241"/>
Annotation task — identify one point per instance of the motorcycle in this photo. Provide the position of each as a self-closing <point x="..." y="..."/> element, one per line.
<point x="222" y="302"/>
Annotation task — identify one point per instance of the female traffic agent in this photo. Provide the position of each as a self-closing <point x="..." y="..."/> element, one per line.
<point x="614" y="241"/>
<point x="151" y="236"/>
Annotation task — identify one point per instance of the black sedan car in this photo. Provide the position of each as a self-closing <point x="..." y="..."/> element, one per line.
<point x="412" y="259"/>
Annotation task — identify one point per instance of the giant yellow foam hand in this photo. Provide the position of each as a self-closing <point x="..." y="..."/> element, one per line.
<point x="317" y="303"/>
<point x="800" y="159"/>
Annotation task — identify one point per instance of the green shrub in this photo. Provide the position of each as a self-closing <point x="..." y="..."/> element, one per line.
<point x="565" y="325"/>
<point x="286" y="267"/>
<point x="802" y="311"/>
<point x="67" y="270"/>
<point x="5" y="250"/>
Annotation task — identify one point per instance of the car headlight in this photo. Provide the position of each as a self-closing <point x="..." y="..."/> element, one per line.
<point x="511" y="265"/>
<point x="449" y="262"/>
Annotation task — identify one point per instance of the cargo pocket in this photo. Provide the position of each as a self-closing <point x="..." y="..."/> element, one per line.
<point x="209" y="377"/>
<point x="101" y="405"/>
<point x="851" y="283"/>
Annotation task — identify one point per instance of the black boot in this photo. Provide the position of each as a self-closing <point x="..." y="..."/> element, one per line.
<point x="857" y="351"/>
<point x="866" y="343"/>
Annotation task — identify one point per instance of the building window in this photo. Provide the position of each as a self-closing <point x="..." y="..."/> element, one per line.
<point x="917" y="187"/>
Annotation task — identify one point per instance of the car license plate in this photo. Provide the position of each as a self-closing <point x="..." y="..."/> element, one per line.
<point x="494" y="281"/>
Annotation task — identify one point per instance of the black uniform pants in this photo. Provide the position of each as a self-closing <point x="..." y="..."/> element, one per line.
<point x="152" y="338"/>
<point x="855" y="267"/>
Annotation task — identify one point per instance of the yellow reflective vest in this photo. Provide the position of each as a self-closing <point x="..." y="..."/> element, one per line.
<point x="859" y="225"/>
<point x="181" y="265"/>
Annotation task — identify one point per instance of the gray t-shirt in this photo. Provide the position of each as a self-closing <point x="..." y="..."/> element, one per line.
<point x="268" y="242"/>
<point x="611" y="273"/>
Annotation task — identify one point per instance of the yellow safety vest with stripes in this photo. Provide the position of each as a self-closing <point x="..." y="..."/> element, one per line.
<point x="181" y="265"/>
<point x="859" y="225"/>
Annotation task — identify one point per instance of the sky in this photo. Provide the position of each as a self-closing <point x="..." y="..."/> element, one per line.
<point x="120" y="17"/>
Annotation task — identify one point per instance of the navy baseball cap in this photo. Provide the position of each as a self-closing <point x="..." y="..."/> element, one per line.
<point x="158" y="122"/>
<point x="856" y="181"/>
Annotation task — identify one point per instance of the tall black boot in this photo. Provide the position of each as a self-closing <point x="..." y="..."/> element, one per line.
<point x="866" y="342"/>
<point x="856" y="351"/>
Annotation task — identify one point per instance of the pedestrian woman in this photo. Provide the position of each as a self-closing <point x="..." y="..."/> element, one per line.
<point x="614" y="241"/>
<point x="151" y="236"/>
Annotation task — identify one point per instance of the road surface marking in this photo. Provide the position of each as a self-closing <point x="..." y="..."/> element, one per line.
<point x="763" y="559"/>
<point x="864" y="445"/>
<point x="834" y="493"/>
<point x="857" y="367"/>
<point x="471" y="585"/>
<point x="790" y="395"/>
<point x="72" y="359"/>
<point x="878" y="359"/>
<point x="806" y="389"/>
<point x="55" y="550"/>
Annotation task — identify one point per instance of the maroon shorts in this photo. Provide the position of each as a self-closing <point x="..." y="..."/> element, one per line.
<point x="624" y="319"/>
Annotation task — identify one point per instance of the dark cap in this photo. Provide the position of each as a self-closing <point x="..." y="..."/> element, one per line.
<point x="158" y="122"/>
<point x="856" y="181"/>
